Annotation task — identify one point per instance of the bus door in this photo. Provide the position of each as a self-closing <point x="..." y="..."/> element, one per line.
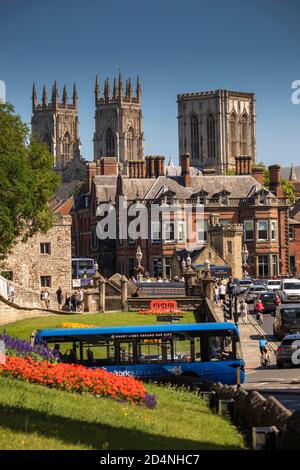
<point x="125" y="354"/>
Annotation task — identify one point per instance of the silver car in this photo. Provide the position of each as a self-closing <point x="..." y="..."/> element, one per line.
<point x="253" y="292"/>
<point x="288" y="353"/>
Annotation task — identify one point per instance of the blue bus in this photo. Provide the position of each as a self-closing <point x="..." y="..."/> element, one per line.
<point x="203" y="351"/>
<point x="83" y="270"/>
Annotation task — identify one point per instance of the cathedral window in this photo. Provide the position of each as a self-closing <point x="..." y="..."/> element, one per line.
<point x="232" y="134"/>
<point x="194" y="137"/>
<point x="211" y="136"/>
<point x="130" y="144"/>
<point x="66" y="148"/>
<point x="110" y="143"/>
<point x="244" y="134"/>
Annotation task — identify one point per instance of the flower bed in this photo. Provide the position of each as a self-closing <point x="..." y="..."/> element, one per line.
<point x="21" y="348"/>
<point x="76" y="378"/>
<point x="76" y="325"/>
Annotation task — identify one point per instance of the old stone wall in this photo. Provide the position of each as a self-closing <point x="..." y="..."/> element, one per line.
<point x="28" y="264"/>
<point x="10" y="313"/>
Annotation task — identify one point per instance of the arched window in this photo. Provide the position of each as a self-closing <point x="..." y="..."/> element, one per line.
<point x="232" y="135"/>
<point x="244" y="134"/>
<point x="194" y="137"/>
<point x="46" y="139"/>
<point x="130" y="144"/>
<point x="211" y="136"/>
<point x="66" y="148"/>
<point x="110" y="143"/>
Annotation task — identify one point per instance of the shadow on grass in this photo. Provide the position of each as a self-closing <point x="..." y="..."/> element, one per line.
<point x="93" y="435"/>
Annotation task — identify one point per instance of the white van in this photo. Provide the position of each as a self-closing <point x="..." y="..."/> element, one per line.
<point x="290" y="290"/>
<point x="273" y="284"/>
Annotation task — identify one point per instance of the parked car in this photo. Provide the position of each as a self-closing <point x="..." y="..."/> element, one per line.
<point x="253" y="292"/>
<point x="286" y="350"/>
<point x="270" y="300"/>
<point x="243" y="284"/>
<point x="273" y="284"/>
<point x="287" y="320"/>
<point x="290" y="290"/>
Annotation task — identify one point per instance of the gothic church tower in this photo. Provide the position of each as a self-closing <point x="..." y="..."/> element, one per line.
<point x="56" y="124"/>
<point x="118" y="122"/>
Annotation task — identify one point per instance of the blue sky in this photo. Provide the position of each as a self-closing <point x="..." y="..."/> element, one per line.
<point x="175" y="47"/>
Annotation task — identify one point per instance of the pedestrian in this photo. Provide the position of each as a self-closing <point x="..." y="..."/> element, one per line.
<point x="42" y="295"/>
<point x="47" y="298"/>
<point x="80" y="300"/>
<point x="59" y="296"/>
<point x="74" y="302"/>
<point x="216" y="294"/>
<point x="244" y="311"/>
<point x="222" y="293"/>
<point x="67" y="305"/>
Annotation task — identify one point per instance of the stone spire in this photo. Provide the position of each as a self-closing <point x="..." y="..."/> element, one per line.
<point x="106" y="90"/>
<point x="34" y="97"/>
<point x="44" y="97"/>
<point x="75" y="96"/>
<point x="55" y="95"/>
<point x="138" y="88"/>
<point x="129" y="89"/>
<point x="120" y="88"/>
<point x="293" y="175"/>
<point x="115" y="89"/>
<point x="97" y="90"/>
<point x="65" y="96"/>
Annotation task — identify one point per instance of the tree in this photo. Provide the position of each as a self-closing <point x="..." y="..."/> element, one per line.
<point x="27" y="181"/>
<point x="288" y="190"/>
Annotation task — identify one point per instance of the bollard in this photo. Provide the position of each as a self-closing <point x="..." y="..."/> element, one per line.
<point x="264" y="438"/>
<point x="210" y="397"/>
<point x="226" y="408"/>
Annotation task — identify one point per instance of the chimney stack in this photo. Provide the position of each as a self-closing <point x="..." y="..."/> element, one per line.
<point x="275" y="175"/>
<point x="243" y="165"/>
<point x="258" y="173"/>
<point x="185" y="169"/>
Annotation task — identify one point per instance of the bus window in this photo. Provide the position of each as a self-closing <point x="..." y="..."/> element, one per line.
<point x="220" y="348"/>
<point x="100" y="353"/>
<point x="154" y="350"/>
<point x="186" y="349"/>
<point x="126" y="352"/>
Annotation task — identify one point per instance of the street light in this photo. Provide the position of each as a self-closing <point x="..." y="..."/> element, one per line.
<point x="188" y="260"/>
<point x="139" y="255"/>
<point x="96" y="266"/>
<point x="245" y="255"/>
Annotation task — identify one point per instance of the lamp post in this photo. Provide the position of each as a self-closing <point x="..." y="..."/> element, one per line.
<point x="139" y="269"/>
<point x="207" y="268"/>
<point x="245" y="255"/>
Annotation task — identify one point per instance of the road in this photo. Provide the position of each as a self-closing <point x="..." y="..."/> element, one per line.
<point x="284" y="384"/>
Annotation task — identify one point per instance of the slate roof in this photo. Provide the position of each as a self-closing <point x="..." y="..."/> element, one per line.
<point x="106" y="187"/>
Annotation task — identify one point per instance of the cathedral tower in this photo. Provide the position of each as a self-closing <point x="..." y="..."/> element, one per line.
<point x="118" y="122"/>
<point x="217" y="126"/>
<point x="56" y="124"/>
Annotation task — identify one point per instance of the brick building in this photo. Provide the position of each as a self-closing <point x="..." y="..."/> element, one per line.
<point x="239" y="199"/>
<point x="294" y="238"/>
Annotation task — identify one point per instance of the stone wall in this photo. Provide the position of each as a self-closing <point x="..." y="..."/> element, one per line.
<point x="28" y="264"/>
<point x="10" y="313"/>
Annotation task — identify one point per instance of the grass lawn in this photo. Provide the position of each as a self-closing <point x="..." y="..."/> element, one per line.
<point x="37" y="417"/>
<point x="22" y="329"/>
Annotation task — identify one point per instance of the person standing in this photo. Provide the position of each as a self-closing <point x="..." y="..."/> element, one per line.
<point x="59" y="296"/>
<point x="47" y="298"/>
<point x="216" y="294"/>
<point x="244" y="311"/>
<point x="222" y="293"/>
<point x="80" y="300"/>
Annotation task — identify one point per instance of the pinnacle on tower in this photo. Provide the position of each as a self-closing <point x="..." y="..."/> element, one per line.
<point x="44" y="96"/>
<point x="106" y="89"/>
<point x="129" y="89"/>
<point x="138" y="88"/>
<point x="55" y="95"/>
<point x="65" y="96"/>
<point x="34" y="97"/>
<point x="75" y="96"/>
<point x="120" y="88"/>
<point x="97" y="90"/>
<point x="115" y="89"/>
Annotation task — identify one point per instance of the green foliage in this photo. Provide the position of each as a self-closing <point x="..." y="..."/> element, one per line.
<point x="27" y="181"/>
<point x="288" y="190"/>
<point x="231" y="172"/>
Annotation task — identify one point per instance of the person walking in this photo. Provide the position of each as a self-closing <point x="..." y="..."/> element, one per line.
<point x="47" y="298"/>
<point x="222" y="293"/>
<point x="80" y="300"/>
<point x="259" y="309"/>
<point x="216" y="294"/>
<point x="67" y="306"/>
<point x="244" y="311"/>
<point x="59" y="297"/>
